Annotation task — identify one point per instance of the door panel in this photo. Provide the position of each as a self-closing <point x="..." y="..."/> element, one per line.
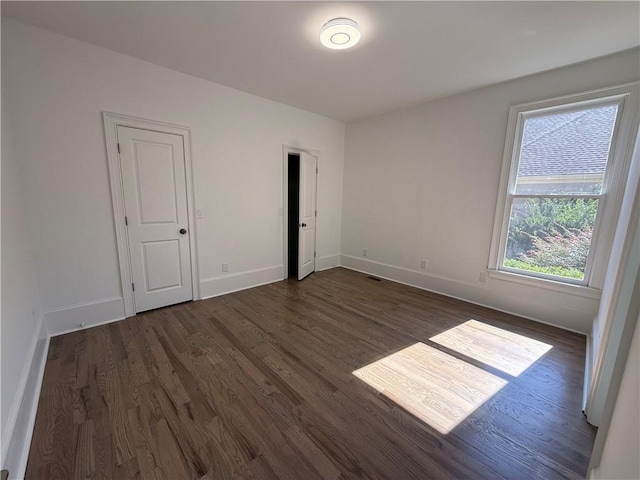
<point x="307" y="248"/>
<point x="307" y="223"/>
<point x="156" y="183"/>
<point x="161" y="261"/>
<point x="153" y="177"/>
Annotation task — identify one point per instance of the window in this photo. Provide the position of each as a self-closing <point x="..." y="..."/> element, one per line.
<point x="562" y="180"/>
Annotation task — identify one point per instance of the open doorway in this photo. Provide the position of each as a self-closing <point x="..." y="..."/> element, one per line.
<point x="300" y="213"/>
<point x="293" y="211"/>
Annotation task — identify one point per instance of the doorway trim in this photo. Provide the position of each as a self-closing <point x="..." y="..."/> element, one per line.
<point x="111" y="123"/>
<point x="286" y="150"/>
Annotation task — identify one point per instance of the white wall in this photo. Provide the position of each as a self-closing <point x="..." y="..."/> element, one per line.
<point x="58" y="88"/>
<point x="610" y="329"/>
<point x="20" y="312"/>
<point x="620" y="459"/>
<point x="421" y="183"/>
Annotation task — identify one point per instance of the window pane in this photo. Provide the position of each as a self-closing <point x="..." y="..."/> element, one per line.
<point x="566" y="153"/>
<point x="551" y="236"/>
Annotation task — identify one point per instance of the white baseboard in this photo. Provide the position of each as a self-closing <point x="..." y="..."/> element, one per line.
<point x="14" y="410"/>
<point x="16" y="438"/>
<point x="233" y="282"/>
<point x="327" y="262"/>
<point x="465" y="291"/>
<point x="91" y="314"/>
<point x="588" y="363"/>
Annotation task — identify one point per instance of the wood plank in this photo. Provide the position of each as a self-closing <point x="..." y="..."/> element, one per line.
<point x="335" y="377"/>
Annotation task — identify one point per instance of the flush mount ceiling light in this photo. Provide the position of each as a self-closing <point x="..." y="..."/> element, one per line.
<point x="340" y="33"/>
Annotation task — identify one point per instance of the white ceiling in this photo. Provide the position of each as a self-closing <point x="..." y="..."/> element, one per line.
<point x="410" y="52"/>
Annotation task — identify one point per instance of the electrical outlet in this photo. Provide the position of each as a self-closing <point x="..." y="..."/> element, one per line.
<point x="198" y="213"/>
<point x="365" y="252"/>
<point x="483" y="277"/>
<point x="423" y="264"/>
<point x="225" y="267"/>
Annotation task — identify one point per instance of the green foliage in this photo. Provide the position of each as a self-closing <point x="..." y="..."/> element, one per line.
<point x="551" y="236"/>
<point x="557" y="271"/>
<point x="538" y="218"/>
<point x="566" y="249"/>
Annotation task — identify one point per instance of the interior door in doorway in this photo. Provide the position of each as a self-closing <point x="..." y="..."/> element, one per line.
<point x="307" y="215"/>
<point x="155" y="194"/>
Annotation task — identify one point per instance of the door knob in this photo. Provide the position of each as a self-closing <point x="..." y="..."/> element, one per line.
<point x="303" y="224"/>
<point x="183" y="231"/>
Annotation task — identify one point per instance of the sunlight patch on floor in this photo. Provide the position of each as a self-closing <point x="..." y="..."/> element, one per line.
<point x="508" y="352"/>
<point x="437" y="388"/>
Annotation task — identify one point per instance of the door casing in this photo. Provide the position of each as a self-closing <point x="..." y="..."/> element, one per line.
<point x="286" y="150"/>
<point x="111" y="122"/>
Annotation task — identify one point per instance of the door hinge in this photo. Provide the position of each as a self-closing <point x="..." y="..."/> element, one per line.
<point x="316" y="170"/>
<point x="133" y="287"/>
<point x="126" y="220"/>
<point x="118" y="148"/>
<point x="315" y="254"/>
<point x="316" y="213"/>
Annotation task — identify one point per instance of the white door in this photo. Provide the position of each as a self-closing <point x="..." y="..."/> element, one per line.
<point x="155" y="194"/>
<point x="307" y="214"/>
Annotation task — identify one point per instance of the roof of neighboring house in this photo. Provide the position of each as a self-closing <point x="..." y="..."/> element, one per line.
<point x="572" y="143"/>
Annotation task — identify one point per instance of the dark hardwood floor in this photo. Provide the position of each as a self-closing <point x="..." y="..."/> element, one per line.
<point x="260" y="384"/>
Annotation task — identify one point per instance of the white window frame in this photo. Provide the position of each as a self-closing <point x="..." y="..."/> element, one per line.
<point x="622" y="143"/>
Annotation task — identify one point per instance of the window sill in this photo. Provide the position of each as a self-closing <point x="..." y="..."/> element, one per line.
<point x="577" y="290"/>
